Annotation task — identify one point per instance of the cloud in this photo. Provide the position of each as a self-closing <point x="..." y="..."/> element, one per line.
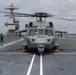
<point x="6" y="3"/>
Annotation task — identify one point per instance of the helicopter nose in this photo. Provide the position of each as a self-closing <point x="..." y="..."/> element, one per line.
<point x="41" y="47"/>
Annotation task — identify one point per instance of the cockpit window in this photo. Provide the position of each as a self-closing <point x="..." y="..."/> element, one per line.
<point x="37" y="31"/>
<point x="49" y="32"/>
<point x="33" y="32"/>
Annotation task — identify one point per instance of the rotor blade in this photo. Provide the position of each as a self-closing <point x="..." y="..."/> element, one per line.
<point x="66" y="19"/>
<point x="22" y="14"/>
<point x="39" y="14"/>
<point x="65" y="15"/>
<point x="4" y="12"/>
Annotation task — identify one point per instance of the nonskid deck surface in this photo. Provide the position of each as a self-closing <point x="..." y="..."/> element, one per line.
<point x="10" y="39"/>
<point x="15" y="62"/>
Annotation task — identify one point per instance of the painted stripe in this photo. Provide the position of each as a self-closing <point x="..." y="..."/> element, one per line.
<point x="61" y="53"/>
<point x="10" y="43"/>
<point x="9" y="53"/>
<point x="68" y="38"/>
<point x="41" y="65"/>
<point x="30" y="67"/>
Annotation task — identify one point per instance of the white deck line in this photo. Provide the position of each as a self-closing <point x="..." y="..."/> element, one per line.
<point x="41" y="65"/>
<point x="60" y="53"/>
<point x="30" y="67"/>
<point x="68" y="38"/>
<point x="8" y="53"/>
<point x="10" y="43"/>
<point x="64" y="53"/>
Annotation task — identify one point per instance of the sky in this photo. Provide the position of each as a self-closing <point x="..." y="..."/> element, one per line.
<point x="55" y="7"/>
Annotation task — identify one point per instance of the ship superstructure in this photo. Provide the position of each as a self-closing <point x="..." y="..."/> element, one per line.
<point x="12" y="24"/>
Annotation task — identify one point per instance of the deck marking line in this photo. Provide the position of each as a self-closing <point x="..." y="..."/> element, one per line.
<point x="10" y="43"/>
<point x="41" y="65"/>
<point x="68" y="38"/>
<point x="65" y="53"/>
<point x="27" y="53"/>
<point x="30" y="67"/>
<point x="12" y="53"/>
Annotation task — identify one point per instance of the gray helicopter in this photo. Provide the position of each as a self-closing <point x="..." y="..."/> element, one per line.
<point x="40" y="35"/>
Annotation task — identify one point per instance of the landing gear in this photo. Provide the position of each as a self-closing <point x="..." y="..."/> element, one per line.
<point x="56" y="48"/>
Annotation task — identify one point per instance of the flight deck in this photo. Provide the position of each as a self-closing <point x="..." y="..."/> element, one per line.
<point x="15" y="62"/>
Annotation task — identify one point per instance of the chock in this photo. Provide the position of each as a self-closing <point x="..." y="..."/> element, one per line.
<point x="24" y="50"/>
<point x="56" y="50"/>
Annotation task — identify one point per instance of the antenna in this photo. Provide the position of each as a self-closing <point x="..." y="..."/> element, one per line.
<point x="11" y="8"/>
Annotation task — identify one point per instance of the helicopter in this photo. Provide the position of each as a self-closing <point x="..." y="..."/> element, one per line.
<point x="40" y="35"/>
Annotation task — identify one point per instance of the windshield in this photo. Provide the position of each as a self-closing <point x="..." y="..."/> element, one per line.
<point x="49" y="32"/>
<point x="33" y="32"/>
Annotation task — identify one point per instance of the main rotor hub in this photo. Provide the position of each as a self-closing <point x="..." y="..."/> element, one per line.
<point x="42" y="15"/>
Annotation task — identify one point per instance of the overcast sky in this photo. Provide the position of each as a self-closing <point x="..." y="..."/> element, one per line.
<point x="56" y="7"/>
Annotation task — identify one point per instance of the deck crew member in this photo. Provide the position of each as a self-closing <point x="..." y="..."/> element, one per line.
<point x="2" y="37"/>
